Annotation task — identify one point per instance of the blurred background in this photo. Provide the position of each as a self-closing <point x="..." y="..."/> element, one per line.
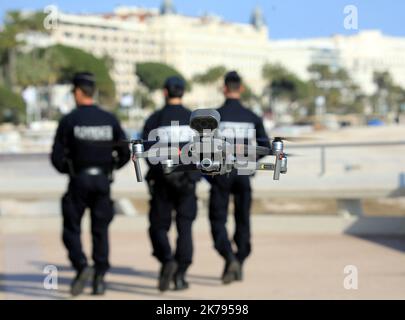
<point x="333" y="71"/>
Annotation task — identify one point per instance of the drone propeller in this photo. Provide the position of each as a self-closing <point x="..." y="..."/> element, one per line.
<point x="122" y="143"/>
<point x="294" y="155"/>
<point x="108" y="144"/>
<point x="249" y="149"/>
<point x="288" y="139"/>
<point x="260" y="151"/>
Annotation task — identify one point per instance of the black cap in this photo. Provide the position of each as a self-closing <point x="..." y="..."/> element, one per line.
<point x="175" y="82"/>
<point x="232" y="77"/>
<point x="175" y="87"/>
<point x="84" y="78"/>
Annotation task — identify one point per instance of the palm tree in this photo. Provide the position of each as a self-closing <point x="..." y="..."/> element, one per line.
<point x="285" y="88"/>
<point x="389" y="96"/>
<point x="15" y="23"/>
<point x="335" y="84"/>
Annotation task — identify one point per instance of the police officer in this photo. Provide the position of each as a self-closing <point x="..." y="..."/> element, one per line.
<point x="175" y="191"/>
<point x="89" y="167"/>
<point x="234" y="117"/>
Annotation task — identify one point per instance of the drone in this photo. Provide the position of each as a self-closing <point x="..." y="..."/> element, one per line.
<point x="209" y="152"/>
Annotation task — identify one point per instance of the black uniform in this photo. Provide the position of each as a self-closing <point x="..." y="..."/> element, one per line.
<point x="89" y="167"/>
<point x="175" y="191"/>
<point x="234" y="116"/>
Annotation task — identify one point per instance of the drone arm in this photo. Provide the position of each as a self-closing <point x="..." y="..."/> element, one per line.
<point x="277" y="168"/>
<point x="137" y="152"/>
<point x="265" y="166"/>
<point x="138" y="170"/>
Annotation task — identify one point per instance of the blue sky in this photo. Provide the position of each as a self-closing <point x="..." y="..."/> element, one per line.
<point x="285" y="18"/>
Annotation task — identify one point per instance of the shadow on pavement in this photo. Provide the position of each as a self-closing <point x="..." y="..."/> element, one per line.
<point x="392" y="242"/>
<point x="132" y="272"/>
<point x="30" y="285"/>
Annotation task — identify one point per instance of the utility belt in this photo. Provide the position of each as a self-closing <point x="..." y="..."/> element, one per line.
<point x="91" y="171"/>
<point x="94" y="171"/>
<point x="178" y="181"/>
<point x="75" y="169"/>
<point x="98" y="171"/>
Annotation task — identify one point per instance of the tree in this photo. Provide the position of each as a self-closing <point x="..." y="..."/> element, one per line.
<point x="33" y="69"/>
<point x="12" y="106"/>
<point x="15" y="23"/>
<point x="57" y="64"/>
<point x="144" y="99"/>
<point x="389" y="96"/>
<point x="23" y="21"/>
<point x="284" y="84"/>
<point x="67" y="61"/>
<point x="288" y="93"/>
<point x="341" y="94"/>
<point x="211" y="76"/>
<point x="248" y="96"/>
<point x="153" y="75"/>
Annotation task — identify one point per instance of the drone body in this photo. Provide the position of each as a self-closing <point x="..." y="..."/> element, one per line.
<point x="209" y="151"/>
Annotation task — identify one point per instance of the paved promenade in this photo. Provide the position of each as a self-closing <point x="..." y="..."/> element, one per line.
<point x="282" y="266"/>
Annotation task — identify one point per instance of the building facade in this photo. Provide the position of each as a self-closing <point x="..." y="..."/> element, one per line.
<point x="361" y="55"/>
<point x="194" y="44"/>
<point x="190" y="44"/>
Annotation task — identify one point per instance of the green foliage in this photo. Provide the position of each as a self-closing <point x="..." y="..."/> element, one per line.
<point x="68" y="60"/>
<point x="320" y="72"/>
<point x="47" y="66"/>
<point x="153" y="75"/>
<point x="211" y="76"/>
<point x="284" y="84"/>
<point x="341" y="94"/>
<point x="248" y="95"/>
<point x="15" y="22"/>
<point x="144" y="99"/>
<point x="32" y="21"/>
<point x="32" y="69"/>
<point x="383" y="80"/>
<point x="388" y="92"/>
<point x="57" y="64"/>
<point x="12" y="106"/>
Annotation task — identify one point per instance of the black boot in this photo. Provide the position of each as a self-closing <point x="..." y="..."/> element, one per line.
<point x="82" y="278"/>
<point x="239" y="275"/>
<point x="166" y="275"/>
<point x="232" y="271"/>
<point x="180" y="282"/>
<point x="99" y="285"/>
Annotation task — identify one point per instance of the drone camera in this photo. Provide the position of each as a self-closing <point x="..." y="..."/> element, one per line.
<point x="205" y="120"/>
<point x="206" y="164"/>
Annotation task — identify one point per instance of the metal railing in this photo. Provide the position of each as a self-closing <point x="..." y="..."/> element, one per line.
<point x="324" y="146"/>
